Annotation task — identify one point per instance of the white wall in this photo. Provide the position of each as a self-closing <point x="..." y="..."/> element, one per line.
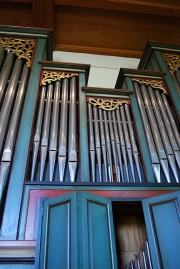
<point x="104" y="69"/>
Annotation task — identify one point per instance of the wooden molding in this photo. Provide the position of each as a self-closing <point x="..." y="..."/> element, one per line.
<point x="98" y="50"/>
<point x="43" y="13"/>
<point x="105" y="27"/>
<point x="170" y="8"/>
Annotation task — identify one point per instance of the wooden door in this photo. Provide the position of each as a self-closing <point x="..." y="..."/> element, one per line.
<point x="77" y="233"/>
<point x="162" y="216"/>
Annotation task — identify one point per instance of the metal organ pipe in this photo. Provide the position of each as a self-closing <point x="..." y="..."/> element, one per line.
<point x="127" y="141"/>
<point x="103" y="143"/>
<point x="72" y="147"/>
<point x="63" y="130"/>
<point x="45" y="132"/>
<point x="108" y="144"/>
<point x="150" y="141"/>
<point x="91" y="143"/>
<point x="168" y="126"/>
<point x="8" y="100"/>
<point x="122" y="141"/>
<point x="172" y="121"/>
<point x="12" y="131"/>
<point x="133" y="141"/>
<point x="157" y="138"/>
<point x="54" y="130"/>
<point x="97" y="141"/>
<point x="110" y="136"/>
<point x="118" y="147"/>
<point x="5" y="73"/>
<point x="38" y="129"/>
<point x="163" y="133"/>
<point x="113" y="146"/>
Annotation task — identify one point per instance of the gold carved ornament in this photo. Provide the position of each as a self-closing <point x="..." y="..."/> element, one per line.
<point x="155" y="84"/>
<point x="50" y="76"/>
<point x="22" y="48"/>
<point x="107" y="104"/>
<point x="172" y="61"/>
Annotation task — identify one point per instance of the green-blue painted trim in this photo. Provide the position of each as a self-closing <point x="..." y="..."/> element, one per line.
<point x="83" y="132"/>
<point x="142" y="138"/>
<point x="16" y="183"/>
<point x="105" y="187"/>
<point x="150" y="225"/>
<point x="169" y="80"/>
<point x="23" y="215"/>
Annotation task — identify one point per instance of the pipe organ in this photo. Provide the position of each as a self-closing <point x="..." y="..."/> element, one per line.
<point x="86" y="171"/>
<point x="112" y="136"/>
<point x="55" y="133"/>
<point x="16" y="60"/>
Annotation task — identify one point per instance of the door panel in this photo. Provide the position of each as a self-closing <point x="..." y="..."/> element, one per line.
<point x="77" y="233"/>
<point x="97" y="232"/>
<point x="58" y="237"/>
<point x="162" y="216"/>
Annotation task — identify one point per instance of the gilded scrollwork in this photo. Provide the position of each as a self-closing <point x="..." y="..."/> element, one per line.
<point x="50" y="76"/>
<point x="156" y="84"/>
<point x="172" y="61"/>
<point x="107" y="104"/>
<point x="22" y="48"/>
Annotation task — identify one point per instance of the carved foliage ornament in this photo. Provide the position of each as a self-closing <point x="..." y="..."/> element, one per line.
<point x="156" y="84"/>
<point x="50" y="76"/>
<point x="172" y="61"/>
<point x="107" y="104"/>
<point x="22" y="48"/>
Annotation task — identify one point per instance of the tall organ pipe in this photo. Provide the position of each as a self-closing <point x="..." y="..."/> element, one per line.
<point x="127" y="141"/>
<point x="150" y="141"/>
<point x="133" y="141"/>
<point x="113" y="146"/>
<point x="5" y="73"/>
<point x="168" y="126"/>
<point x="97" y="141"/>
<point x="54" y="130"/>
<point x="63" y="130"/>
<point x="163" y="133"/>
<point x="156" y="134"/>
<point x="72" y="148"/>
<point x="38" y="130"/>
<point x="118" y="147"/>
<point x="91" y="143"/>
<point x="172" y="121"/>
<point x="108" y="144"/>
<point x="45" y="132"/>
<point x="8" y="100"/>
<point x="103" y="143"/>
<point x="12" y="131"/>
<point x="122" y="141"/>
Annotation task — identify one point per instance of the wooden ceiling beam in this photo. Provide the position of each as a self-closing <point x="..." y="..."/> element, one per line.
<point x="43" y="13"/>
<point x="107" y="32"/>
<point x="154" y="7"/>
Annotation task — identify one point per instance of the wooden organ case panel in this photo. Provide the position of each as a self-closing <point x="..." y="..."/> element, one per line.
<point x="20" y="51"/>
